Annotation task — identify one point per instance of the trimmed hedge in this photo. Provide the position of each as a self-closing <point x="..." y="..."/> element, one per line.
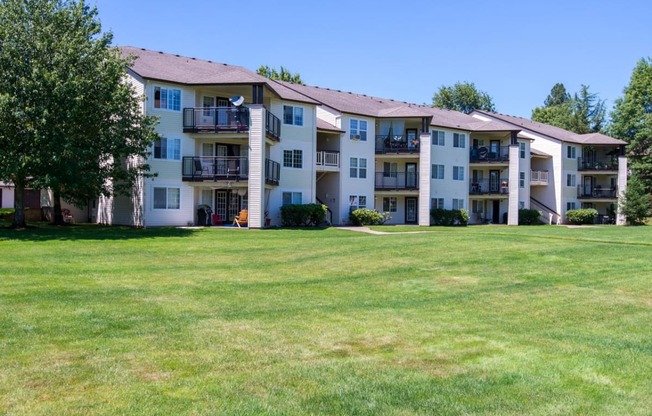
<point x="307" y="215"/>
<point x="528" y="217"/>
<point x="448" y="217"/>
<point x="366" y="216"/>
<point x="582" y="216"/>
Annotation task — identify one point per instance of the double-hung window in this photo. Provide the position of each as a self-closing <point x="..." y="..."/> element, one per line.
<point x="459" y="140"/>
<point x="521" y="147"/>
<point x="458" y="173"/>
<point x="571" y="152"/>
<point x="293" y="115"/>
<point x="358" y="129"/>
<point x="167" y="198"/>
<point x="438" y="138"/>
<point x="570" y="180"/>
<point x="458" y="203"/>
<point x="521" y="179"/>
<point x="167" y="98"/>
<point x="168" y="149"/>
<point x="437" y="203"/>
<point x="570" y="206"/>
<point x="293" y="159"/>
<point x="389" y="204"/>
<point x="357" y="201"/>
<point x="292" y="198"/>
<point x="437" y="172"/>
<point x="358" y="167"/>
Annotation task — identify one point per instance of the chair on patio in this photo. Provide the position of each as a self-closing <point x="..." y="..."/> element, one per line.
<point x="200" y="169"/>
<point x="241" y="219"/>
<point x="67" y="216"/>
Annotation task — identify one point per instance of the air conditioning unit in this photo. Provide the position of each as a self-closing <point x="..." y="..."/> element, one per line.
<point x="355" y="137"/>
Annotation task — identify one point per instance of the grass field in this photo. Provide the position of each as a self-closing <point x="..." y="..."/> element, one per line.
<point x="477" y="320"/>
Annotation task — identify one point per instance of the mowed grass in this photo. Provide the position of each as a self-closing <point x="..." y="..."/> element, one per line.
<point x="478" y="320"/>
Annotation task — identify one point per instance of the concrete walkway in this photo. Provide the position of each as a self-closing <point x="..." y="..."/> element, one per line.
<point x="370" y="231"/>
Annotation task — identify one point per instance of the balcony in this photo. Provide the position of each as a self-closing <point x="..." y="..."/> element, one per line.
<point x="597" y="164"/>
<point x="491" y="154"/>
<point x="216" y="120"/>
<point x="489" y="187"/>
<point x="396" y="181"/>
<point x="328" y="161"/>
<point x="596" y="192"/>
<point x="539" y="177"/>
<point x="272" y="126"/>
<point x="225" y="168"/>
<point x="388" y="144"/>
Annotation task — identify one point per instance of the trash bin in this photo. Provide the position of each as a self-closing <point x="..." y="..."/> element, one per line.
<point x="201" y="216"/>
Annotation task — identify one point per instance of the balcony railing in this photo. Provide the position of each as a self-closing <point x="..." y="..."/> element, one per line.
<point x="596" y="192"/>
<point x="328" y="159"/>
<point x="489" y="154"/>
<point x="396" y="144"/>
<point x="215" y="168"/>
<point x="272" y="126"/>
<point x="216" y="119"/>
<point x="489" y="186"/>
<point x="272" y="172"/>
<point x="539" y="177"/>
<point x="397" y="180"/>
<point x="596" y="163"/>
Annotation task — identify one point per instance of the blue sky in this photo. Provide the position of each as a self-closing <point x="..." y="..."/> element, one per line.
<point x="405" y="50"/>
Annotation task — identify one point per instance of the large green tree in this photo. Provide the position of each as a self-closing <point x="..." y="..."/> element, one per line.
<point x="69" y="121"/>
<point x="282" y="74"/>
<point x="582" y="113"/>
<point x="632" y="121"/>
<point x="464" y="97"/>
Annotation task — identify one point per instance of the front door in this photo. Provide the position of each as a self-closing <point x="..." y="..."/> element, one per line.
<point x="494" y="181"/>
<point x="410" y="210"/>
<point x="495" y="215"/>
<point x="223" y="114"/>
<point x="494" y="150"/>
<point x="588" y="186"/>
<point x="411" y="175"/>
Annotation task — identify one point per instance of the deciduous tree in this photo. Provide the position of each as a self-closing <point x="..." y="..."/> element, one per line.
<point x="464" y="97"/>
<point x="583" y="113"/>
<point x="282" y="75"/>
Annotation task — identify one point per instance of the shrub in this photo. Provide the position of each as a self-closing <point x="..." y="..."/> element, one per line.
<point x="365" y="216"/>
<point x="448" y="217"/>
<point x="635" y="203"/>
<point x="528" y="217"/>
<point x="308" y="215"/>
<point x="582" y="216"/>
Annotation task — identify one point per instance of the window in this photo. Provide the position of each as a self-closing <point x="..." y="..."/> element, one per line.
<point x="167" y="198"/>
<point x="292" y="198"/>
<point x="521" y="179"/>
<point x="167" y="98"/>
<point x="570" y="180"/>
<point x="459" y="140"/>
<point x="437" y="171"/>
<point x="293" y="115"/>
<point x="358" y="129"/>
<point x="571" y="152"/>
<point x="458" y="173"/>
<point x="358" y="167"/>
<point x="458" y="203"/>
<point x="521" y="147"/>
<point x="389" y="204"/>
<point x="477" y="207"/>
<point x="521" y="204"/>
<point x="169" y="149"/>
<point x="570" y="206"/>
<point x="437" y="203"/>
<point x="293" y="159"/>
<point x="438" y="138"/>
<point x="357" y="201"/>
<point x="390" y="170"/>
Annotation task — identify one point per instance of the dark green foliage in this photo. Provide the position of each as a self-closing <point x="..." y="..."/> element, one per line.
<point x="583" y="113"/>
<point x="529" y="217"/>
<point x="282" y="75"/>
<point x="448" y="217"/>
<point x="307" y="215"/>
<point x="464" y="97"/>
<point x="581" y="216"/>
<point x="635" y="204"/>
<point x="558" y="95"/>
<point x="366" y="216"/>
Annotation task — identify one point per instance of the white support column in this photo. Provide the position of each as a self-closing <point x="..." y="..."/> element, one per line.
<point x="622" y="187"/>
<point x="256" y="167"/>
<point x="512" y="210"/>
<point x="424" y="180"/>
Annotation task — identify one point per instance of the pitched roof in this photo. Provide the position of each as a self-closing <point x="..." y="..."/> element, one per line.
<point x="326" y="126"/>
<point x="179" y="69"/>
<point x="553" y="132"/>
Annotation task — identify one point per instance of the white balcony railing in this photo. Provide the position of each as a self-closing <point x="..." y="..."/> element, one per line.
<point x="329" y="159"/>
<point x="539" y="177"/>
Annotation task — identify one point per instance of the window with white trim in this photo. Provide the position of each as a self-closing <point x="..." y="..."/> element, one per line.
<point x="167" y="198"/>
<point x="293" y="158"/>
<point x="437" y="203"/>
<point x="570" y="206"/>
<point x="167" y="98"/>
<point x="167" y="149"/>
<point x="458" y="173"/>
<point x="357" y="201"/>
<point x="458" y="203"/>
<point x="521" y="147"/>
<point x="358" y="129"/>
<point x="437" y="172"/>
<point x="389" y="204"/>
<point x="459" y="140"/>
<point x="390" y="169"/>
<point x="293" y="115"/>
<point x="438" y="138"/>
<point x="521" y="179"/>
<point x="358" y="167"/>
<point x="292" y="198"/>
<point x="571" y="152"/>
<point x="521" y="204"/>
<point x="571" y="181"/>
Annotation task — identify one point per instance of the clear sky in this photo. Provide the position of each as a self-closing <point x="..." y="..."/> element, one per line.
<point x="514" y="50"/>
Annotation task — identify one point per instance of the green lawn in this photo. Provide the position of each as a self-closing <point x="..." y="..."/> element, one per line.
<point x="477" y="320"/>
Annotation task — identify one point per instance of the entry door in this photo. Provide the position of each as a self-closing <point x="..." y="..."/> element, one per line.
<point x="494" y="149"/>
<point x="494" y="180"/>
<point x="410" y="210"/>
<point x="220" y="161"/>
<point x="588" y="186"/>
<point x="223" y="112"/>
<point x="411" y="175"/>
<point x="495" y="215"/>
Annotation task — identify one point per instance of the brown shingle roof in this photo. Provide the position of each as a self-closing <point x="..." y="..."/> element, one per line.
<point x="326" y="126"/>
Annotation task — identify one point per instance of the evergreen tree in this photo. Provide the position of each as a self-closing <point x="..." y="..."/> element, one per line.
<point x="583" y="113"/>
<point x="635" y="204"/>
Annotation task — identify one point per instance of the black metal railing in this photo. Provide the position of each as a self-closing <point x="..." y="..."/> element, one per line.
<point x="272" y="172"/>
<point x="397" y="180"/>
<point x="216" y="119"/>
<point x="489" y="154"/>
<point x="596" y="191"/>
<point x="214" y="168"/>
<point x="596" y="163"/>
<point x="489" y="186"/>
<point x="272" y="126"/>
<point x="396" y="144"/>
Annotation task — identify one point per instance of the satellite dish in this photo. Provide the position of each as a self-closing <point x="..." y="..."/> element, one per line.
<point x="237" y="100"/>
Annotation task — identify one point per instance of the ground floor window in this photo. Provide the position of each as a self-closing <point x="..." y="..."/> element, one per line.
<point x="437" y="203"/>
<point x="477" y="207"/>
<point x="570" y="206"/>
<point x="389" y="204"/>
<point x="292" y="198"/>
<point x="357" y="201"/>
<point x="167" y="198"/>
<point x="458" y="203"/>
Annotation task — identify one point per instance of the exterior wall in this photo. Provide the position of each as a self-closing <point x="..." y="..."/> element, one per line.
<point x="7" y="197"/>
<point x="329" y="115"/>
<point x="622" y="187"/>
<point x="569" y="167"/>
<point x="525" y="167"/>
<point x="449" y="156"/>
<point x="550" y="195"/>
